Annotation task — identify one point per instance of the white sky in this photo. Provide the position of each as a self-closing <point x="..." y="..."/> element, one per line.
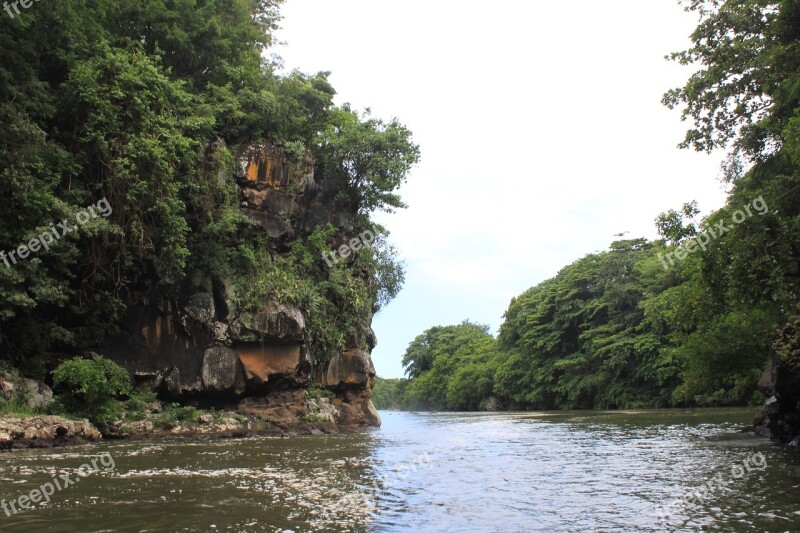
<point x="541" y="130"/>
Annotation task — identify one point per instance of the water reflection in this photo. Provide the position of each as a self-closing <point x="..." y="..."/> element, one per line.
<point x="590" y="472"/>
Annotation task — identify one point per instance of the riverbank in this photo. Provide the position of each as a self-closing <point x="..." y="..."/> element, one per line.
<point x="164" y="421"/>
<point x="31" y="416"/>
<point x="45" y="432"/>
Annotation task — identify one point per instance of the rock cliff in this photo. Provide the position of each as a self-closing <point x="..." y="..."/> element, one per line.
<point x="194" y="342"/>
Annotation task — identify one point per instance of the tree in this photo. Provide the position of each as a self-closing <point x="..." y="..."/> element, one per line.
<point x="371" y="158"/>
<point x="738" y="95"/>
<point x="442" y="363"/>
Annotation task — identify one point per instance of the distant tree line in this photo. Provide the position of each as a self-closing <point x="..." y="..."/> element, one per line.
<point x="628" y="328"/>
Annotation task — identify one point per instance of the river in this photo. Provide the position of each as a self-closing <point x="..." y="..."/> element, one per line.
<point x="674" y="470"/>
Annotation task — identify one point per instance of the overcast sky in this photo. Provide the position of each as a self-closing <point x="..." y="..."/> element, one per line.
<point x="541" y="130"/>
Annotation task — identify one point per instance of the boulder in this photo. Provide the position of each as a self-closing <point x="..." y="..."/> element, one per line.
<point x="15" y="388"/>
<point x="37" y="394"/>
<point x="371" y="415"/>
<point x="175" y="386"/>
<point x="348" y="369"/>
<point x="222" y="371"/>
<point x="200" y="307"/>
<point x="274" y="321"/>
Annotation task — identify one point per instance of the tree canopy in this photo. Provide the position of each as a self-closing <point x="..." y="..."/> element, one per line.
<point x="145" y="103"/>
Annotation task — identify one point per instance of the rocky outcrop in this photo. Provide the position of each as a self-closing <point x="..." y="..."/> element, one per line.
<point x="15" y="388"/>
<point x="283" y="408"/>
<point x="352" y="375"/>
<point x="349" y="369"/>
<point x="780" y="417"/>
<point x="223" y="371"/>
<point x="275" y="321"/>
<point x="44" y="432"/>
<point x="283" y="194"/>
<point x="193" y="343"/>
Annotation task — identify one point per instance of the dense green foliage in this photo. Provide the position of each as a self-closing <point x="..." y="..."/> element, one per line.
<point x="613" y="330"/>
<point x="387" y="395"/>
<point x="92" y="388"/>
<point x="581" y="341"/>
<point x="144" y="103"/>
<point x="693" y="318"/>
<point x="450" y="368"/>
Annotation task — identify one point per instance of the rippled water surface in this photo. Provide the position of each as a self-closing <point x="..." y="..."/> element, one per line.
<point x="573" y="471"/>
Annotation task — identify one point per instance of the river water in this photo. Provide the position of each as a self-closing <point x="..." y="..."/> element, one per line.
<point x="569" y="471"/>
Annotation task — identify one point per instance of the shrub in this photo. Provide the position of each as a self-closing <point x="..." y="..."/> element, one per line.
<point x="315" y="392"/>
<point x="138" y="404"/>
<point x="315" y="418"/>
<point x="91" y="388"/>
<point x="174" y="414"/>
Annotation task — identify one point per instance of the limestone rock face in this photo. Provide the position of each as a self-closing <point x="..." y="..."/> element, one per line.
<point x="781" y="415"/>
<point x="372" y="416"/>
<point x="200" y="307"/>
<point x="287" y="363"/>
<point x="279" y="407"/>
<point x="283" y="194"/>
<point x="190" y="340"/>
<point x="352" y="375"/>
<point x="274" y="321"/>
<point x="351" y="367"/>
<point x="222" y="371"/>
<point x="356" y="409"/>
<point x="322" y="410"/>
